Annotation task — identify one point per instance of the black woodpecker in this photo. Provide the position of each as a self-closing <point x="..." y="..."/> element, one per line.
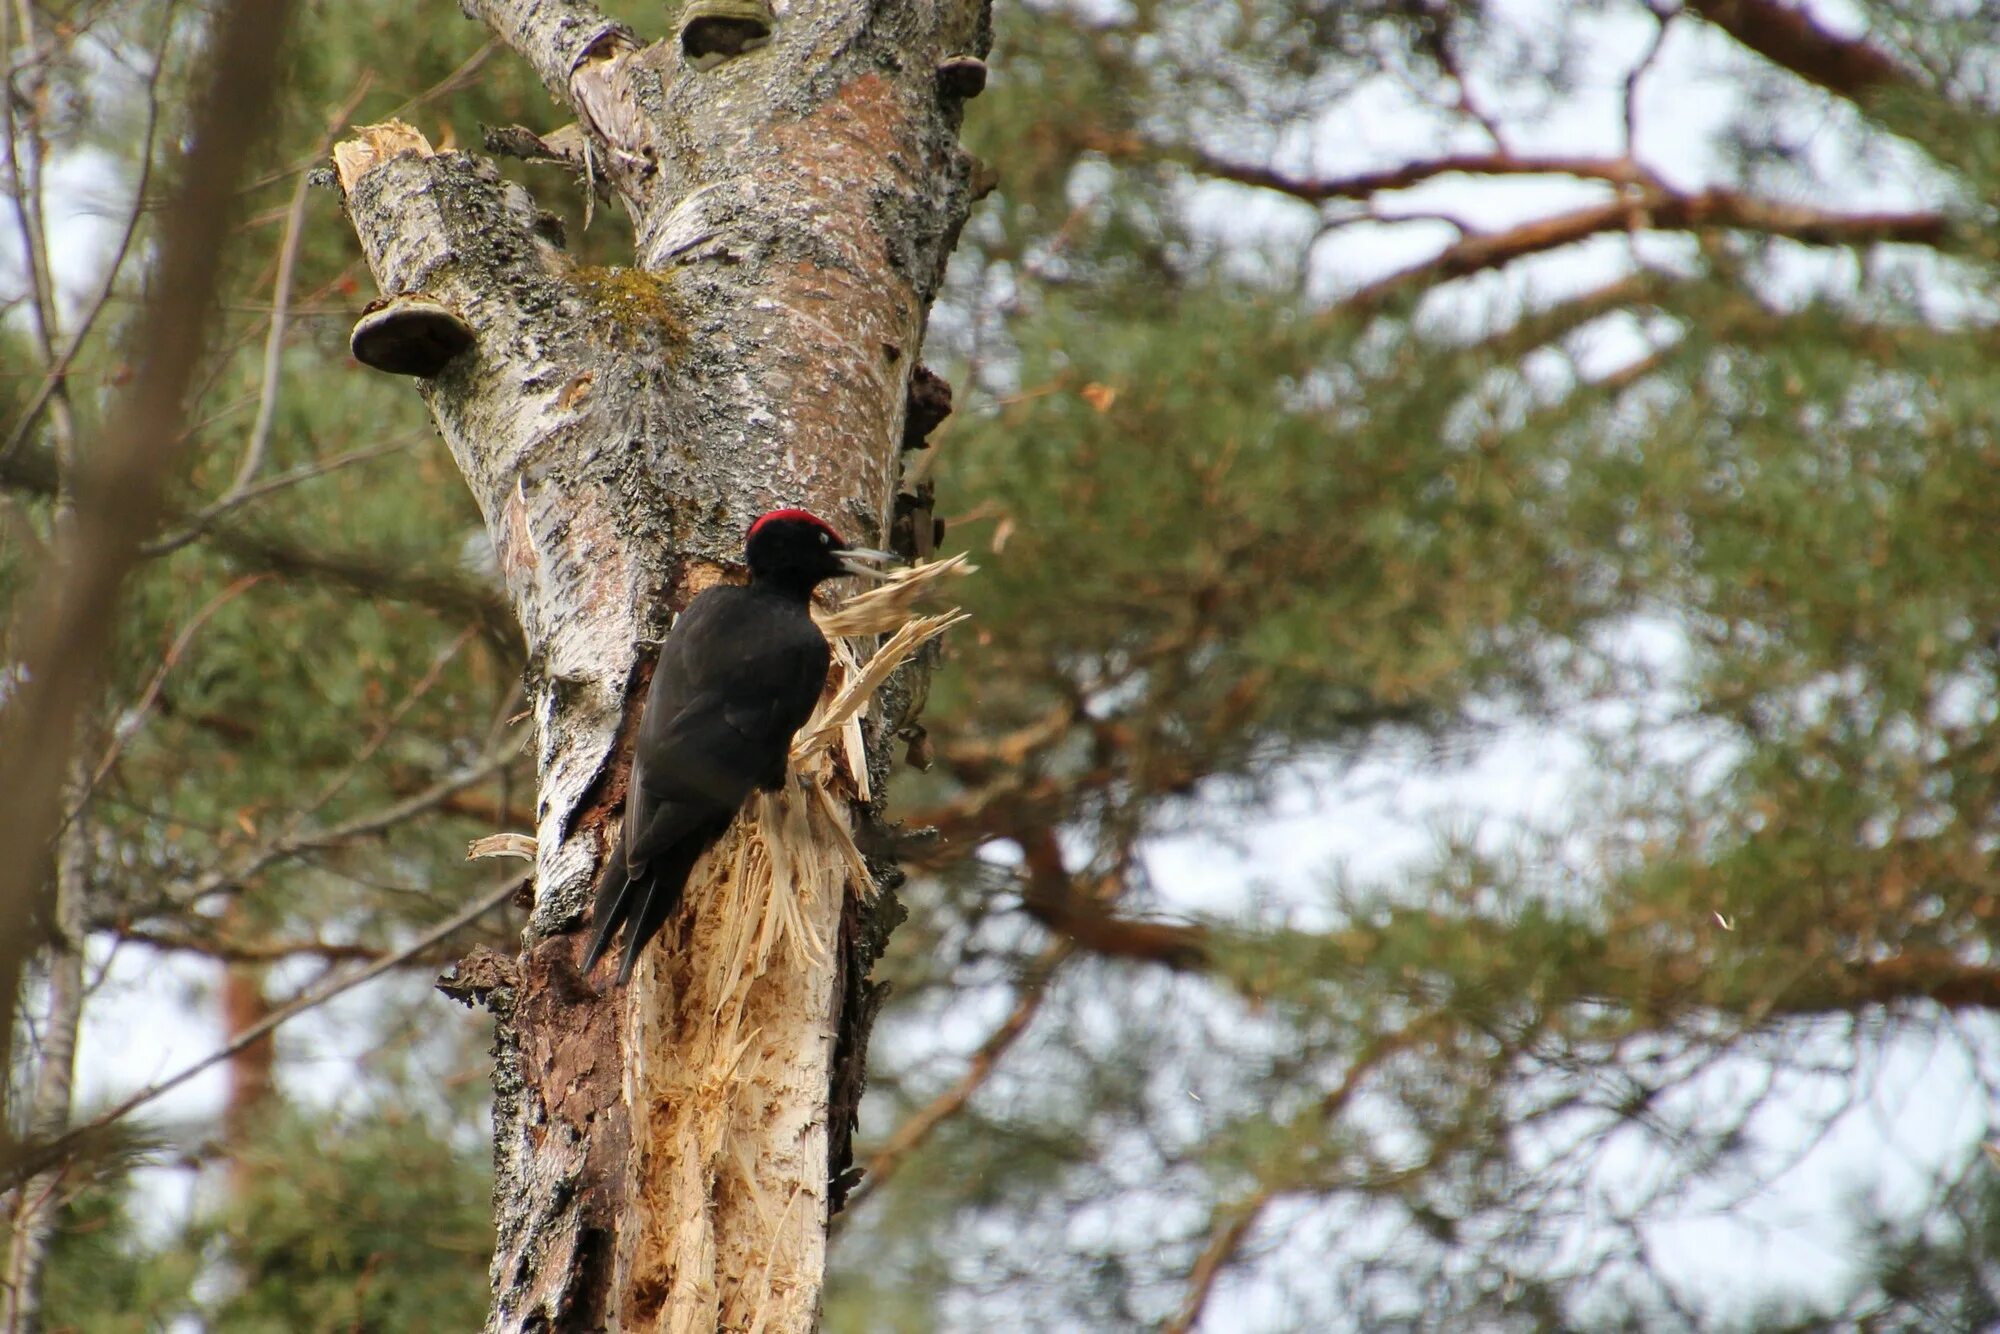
<point x="739" y="673"/>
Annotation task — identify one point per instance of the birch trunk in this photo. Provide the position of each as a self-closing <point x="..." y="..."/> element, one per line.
<point x="663" y="1157"/>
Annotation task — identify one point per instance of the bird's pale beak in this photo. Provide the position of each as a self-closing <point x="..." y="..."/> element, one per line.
<point x="863" y="561"/>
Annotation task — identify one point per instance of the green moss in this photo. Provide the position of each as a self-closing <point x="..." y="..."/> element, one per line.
<point x="639" y="301"/>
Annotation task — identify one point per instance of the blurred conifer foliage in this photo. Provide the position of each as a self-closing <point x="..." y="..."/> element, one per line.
<point x="1345" y="393"/>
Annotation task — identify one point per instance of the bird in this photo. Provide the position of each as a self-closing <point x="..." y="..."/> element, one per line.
<point x="738" y="675"/>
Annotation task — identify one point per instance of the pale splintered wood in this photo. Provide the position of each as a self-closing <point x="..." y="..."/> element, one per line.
<point x="502" y="845"/>
<point x="373" y="145"/>
<point x="887" y="606"/>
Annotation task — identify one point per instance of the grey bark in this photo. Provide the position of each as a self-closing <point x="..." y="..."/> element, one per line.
<point x="794" y="208"/>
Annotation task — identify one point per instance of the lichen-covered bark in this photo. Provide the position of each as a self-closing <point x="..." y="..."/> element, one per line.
<point x="663" y="1160"/>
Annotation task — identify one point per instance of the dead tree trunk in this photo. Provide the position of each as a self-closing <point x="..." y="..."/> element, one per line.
<point x="663" y="1157"/>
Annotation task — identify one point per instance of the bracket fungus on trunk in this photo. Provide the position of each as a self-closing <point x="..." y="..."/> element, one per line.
<point x="409" y="334"/>
<point x="961" y="76"/>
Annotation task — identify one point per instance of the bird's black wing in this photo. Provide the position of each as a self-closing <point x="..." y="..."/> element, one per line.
<point x="768" y="719"/>
<point x="743" y="680"/>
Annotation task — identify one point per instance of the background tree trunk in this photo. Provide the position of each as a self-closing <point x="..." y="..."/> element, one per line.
<point x="35" y="1204"/>
<point x="663" y="1154"/>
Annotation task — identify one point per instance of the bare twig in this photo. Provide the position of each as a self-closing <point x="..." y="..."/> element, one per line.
<point x="226" y="947"/>
<point x="54" y="374"/>
<point x="241" y="496"/>
<point x="274" y="339"/>
<point x="1233" y="1223"/>
<point x="1464" y="102"/>
<point x="298" y="843"/>
<point x="916" y="1130"/>
<point x="135" y="717"/>
<point x="387" y="727"/>
<point x="1231" y="1226"/>
<point x="38" y="1157"/>
<point x="25" y="172"/>
<point x="1788" y="37"/>
<point x="459" y="78"/>
<point x="387" y="576"/>
<point x="231" y="950"/>
<point x="1635" y="76"/>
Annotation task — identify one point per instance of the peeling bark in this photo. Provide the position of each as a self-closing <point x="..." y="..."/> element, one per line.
<point x="664" y="1158"/>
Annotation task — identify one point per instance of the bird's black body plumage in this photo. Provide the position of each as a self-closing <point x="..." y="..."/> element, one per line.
<point x="738" y="676"/>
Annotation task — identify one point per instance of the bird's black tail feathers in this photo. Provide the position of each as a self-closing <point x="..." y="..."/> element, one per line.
<point x="662" y="889"/>
<point x="614" y="891"/>
<point x="642" y="904"/>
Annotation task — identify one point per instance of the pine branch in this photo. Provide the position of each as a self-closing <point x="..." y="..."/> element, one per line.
<point x="388" y="576"/>
<point x="1789" y="38"/>
<point x="24" y="1161"/>
<point x="1367" y="184"/>
<point x="1655" y="210"/>
<point x="916" y="1130"/>
<point x="1053" y="900"/>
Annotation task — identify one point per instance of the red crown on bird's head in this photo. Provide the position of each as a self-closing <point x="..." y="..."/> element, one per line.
<point x="794" y="516"/>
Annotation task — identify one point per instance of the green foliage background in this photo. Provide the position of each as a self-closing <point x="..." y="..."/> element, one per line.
<point x="1243" y="533"/>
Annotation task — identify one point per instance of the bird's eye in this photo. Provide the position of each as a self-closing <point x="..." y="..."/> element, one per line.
<point x="826" y="539"/>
